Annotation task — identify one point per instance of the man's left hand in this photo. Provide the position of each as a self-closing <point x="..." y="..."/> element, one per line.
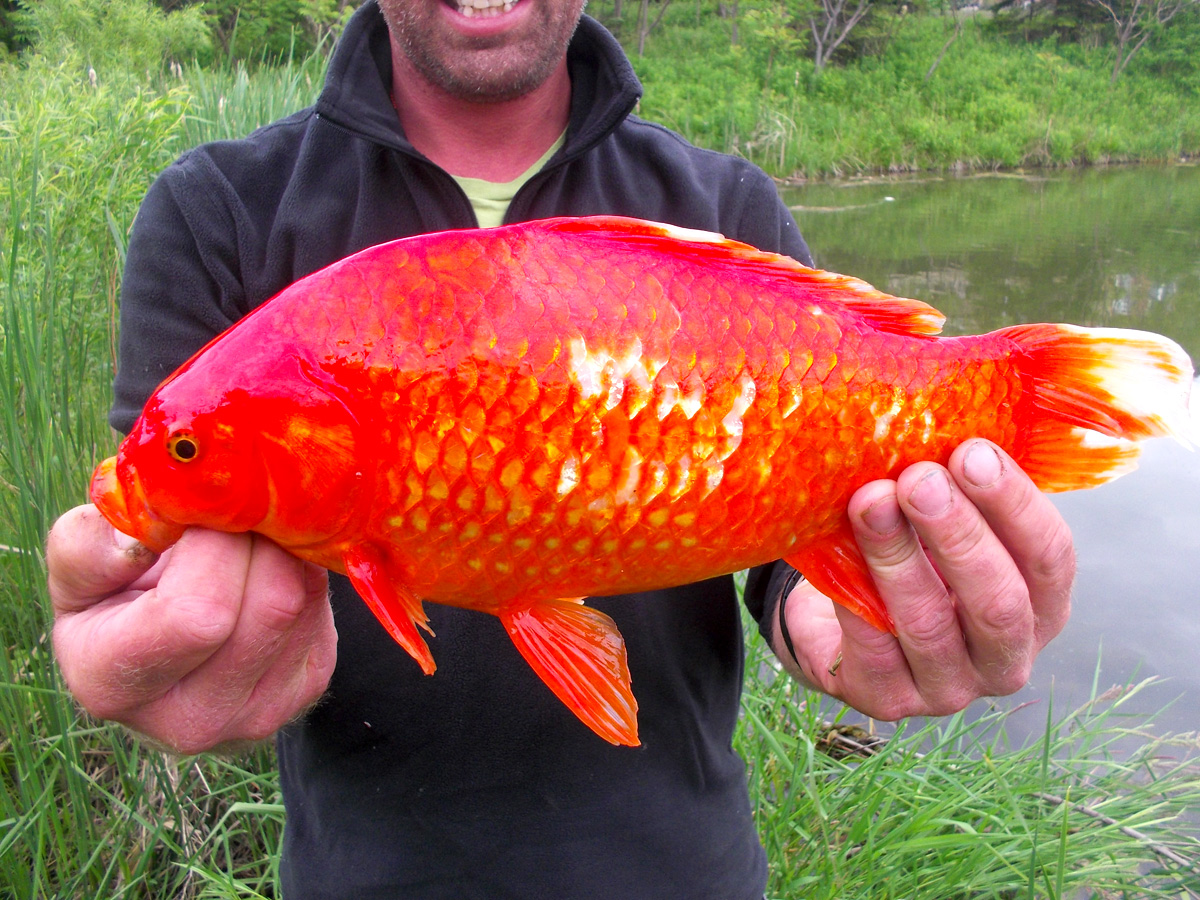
<point x="975" y="565"/>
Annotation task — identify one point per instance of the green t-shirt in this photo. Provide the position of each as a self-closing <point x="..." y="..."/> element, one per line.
<point x="490" y="199"/>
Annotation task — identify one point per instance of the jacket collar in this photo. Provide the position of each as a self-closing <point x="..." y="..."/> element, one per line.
<point x="357" y="91"/>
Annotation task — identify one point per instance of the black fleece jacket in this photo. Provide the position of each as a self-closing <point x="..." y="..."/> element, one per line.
<point x="475" y="782"/>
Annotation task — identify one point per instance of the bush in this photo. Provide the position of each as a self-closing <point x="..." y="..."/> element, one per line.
<point x="114" y="34"/>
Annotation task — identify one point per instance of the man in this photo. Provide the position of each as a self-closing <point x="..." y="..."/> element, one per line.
<point x="477" y="782"/>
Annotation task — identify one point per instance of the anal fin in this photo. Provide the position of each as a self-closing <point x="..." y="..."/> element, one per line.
<point x="580" y="655"/>
<point x="835" y="567"/>
<point x="394" y="605"/>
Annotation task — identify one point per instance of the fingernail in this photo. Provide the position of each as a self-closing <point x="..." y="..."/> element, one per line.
<point x="932" y="493"/>
<point x="982" y="466"/>
<point x="883" y="517"/>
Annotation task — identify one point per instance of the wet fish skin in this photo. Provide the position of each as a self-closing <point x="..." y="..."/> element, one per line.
<point x="513" y="419"/>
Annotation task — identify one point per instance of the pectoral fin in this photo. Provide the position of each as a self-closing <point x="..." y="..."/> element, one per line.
<point x="394" y="605"/>
<point x="836" y="568"/>
<point x="580" y="654"/>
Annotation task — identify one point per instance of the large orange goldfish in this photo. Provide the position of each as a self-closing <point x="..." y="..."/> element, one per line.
<point x="513" y="419"/>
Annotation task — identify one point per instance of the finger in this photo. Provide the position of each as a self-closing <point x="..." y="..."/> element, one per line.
<point x="301" y="671"/>
<point x="1027" y="524"/>
<point x="844" y="656"/>
<point x="285" y="605"/>
<point x="992" y="602"/>
<point x="88" y="560"/>
<point x="127" y="651"/>
<point x="927" y="626"/>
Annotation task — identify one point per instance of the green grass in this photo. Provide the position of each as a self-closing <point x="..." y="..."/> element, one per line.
<point x="949" y="810"/>
<point x="989" y="104"/>
<point x="86" y="810"/>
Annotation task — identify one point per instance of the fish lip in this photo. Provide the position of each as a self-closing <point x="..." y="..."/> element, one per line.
<point x="122" y="502"/>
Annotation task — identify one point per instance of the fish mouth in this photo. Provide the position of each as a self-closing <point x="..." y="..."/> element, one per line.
<point x="123" y="503"/>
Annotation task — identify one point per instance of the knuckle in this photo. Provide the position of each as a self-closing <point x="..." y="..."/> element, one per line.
<point x="950" y="700"/>
<point x="261" y="726"/>
<point x="1054" y="560"/>
<point x="199" y="622"/>
<point x="99" y="704"/>
<point x="1011" y="680"/>
<point x="279" y="610"/>
<point x="191" y="741"/>
<point x="929" y="624"/>
<point x="1008" y="613"/>
<point x="894" y="710"/>
<point x="1050" y="623"/>
<point x="961" y="543"/>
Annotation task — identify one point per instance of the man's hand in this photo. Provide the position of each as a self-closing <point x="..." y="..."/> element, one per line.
<point x="222" y="639"/>
<point x="975" y="565"/>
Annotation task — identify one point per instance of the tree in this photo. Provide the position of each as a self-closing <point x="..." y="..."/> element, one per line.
<point x="831" y="22"/>
<point x="1136" y="21"/>
<point x="645" y="26"/>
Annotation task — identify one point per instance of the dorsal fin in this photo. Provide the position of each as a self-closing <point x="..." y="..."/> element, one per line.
<point x="896" y="315"/>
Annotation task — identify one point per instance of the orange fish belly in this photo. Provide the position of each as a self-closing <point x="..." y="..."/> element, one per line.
<point x="513" y="419"/>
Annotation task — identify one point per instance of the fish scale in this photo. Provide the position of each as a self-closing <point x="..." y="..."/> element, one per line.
<point x="512" y="419"/>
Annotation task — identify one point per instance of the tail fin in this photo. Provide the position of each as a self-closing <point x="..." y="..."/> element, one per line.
<point x="1099" y="390"/>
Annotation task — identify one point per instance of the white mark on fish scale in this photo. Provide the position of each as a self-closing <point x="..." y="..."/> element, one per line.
<point x="641" y="379"/>
<point x="684" y="475"/>
<point x="732" y="423"/>
<point x="616" y="386"/>
<point x="883" y="420"/>
<point x="568" y="476"/>
<point x="586" y="367"/>
<point x="628" y="477"/>
<point x="669" y="389"/>
<point x="590" y="369"/>
<point x="927" y="433"/>
<point x="656" y="482"/>
<point x="714" y="474"/>
<point x="691" y="402"/>
<point x="693" y="234"/>
<point x="793" y="402"/>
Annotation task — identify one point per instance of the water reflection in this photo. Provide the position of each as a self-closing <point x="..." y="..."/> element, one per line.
<point x="1114" y="247"/>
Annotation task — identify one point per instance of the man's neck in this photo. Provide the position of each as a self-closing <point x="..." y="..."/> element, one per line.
<point x="496" y="141"/>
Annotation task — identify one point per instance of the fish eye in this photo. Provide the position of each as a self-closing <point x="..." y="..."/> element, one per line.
<point x="182" y="446"/>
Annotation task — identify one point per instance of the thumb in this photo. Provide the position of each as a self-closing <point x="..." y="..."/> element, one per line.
<point x="87" y="560"/>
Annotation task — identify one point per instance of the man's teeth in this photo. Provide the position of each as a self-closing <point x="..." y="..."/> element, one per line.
<point x="485" y="7"/>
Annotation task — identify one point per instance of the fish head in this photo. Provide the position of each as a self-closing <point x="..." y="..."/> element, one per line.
<point x="179" y="467"/>
<point x="277" y="455"/>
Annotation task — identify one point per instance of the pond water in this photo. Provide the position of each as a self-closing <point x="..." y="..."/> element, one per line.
<point x="1114" y="247"/>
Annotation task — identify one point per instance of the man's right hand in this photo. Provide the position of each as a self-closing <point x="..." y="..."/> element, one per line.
<point x="222" y="639"/>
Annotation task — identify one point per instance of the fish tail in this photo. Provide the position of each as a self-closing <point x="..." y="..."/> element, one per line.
<point x="1097" y="392"/>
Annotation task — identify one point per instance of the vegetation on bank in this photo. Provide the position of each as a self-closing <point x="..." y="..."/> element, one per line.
<point x="946" y="810"/>
<point x="991" y="102"/>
